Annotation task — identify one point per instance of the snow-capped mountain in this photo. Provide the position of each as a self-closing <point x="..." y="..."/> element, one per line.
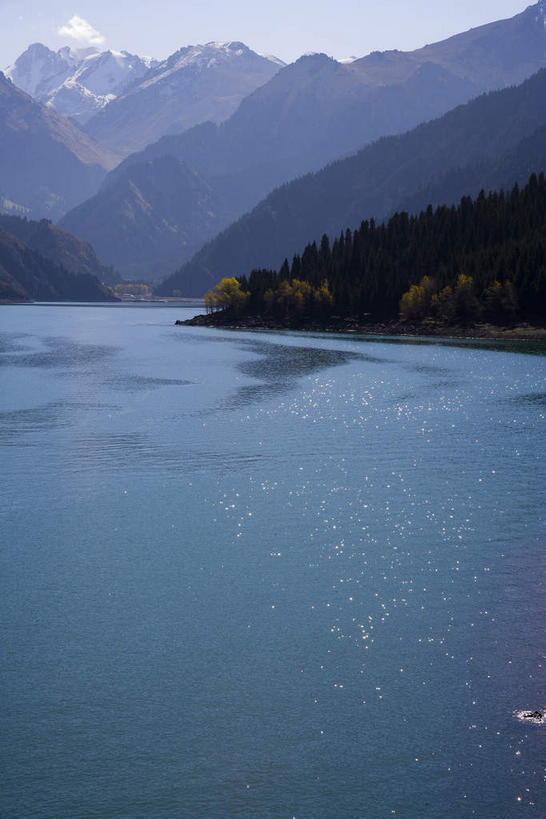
<point x="195" y="84"/>
<point x="38" y="71"/>
<point x="203" y="57"/>
<point x="76" y="83"/>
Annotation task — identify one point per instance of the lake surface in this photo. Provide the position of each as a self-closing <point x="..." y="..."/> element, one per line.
<point x="267" y="574"/>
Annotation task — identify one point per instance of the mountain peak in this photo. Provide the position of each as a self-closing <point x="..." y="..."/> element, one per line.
<point x="38" y="48"/>
<point x="231" y="45"/>
<point x="316" y="58"/>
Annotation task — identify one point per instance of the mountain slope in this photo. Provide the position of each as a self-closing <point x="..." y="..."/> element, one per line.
<point x="197" y="83"/>
<point x="373" y="183"/>
<point x="60" y="247"/>
<point x="26" y="275"/>
<point x="513" y="167"/>
<point x="46" y="163"/>
<point x="156" y="211"/>
<point x="497" y="54"/>
<point x="317" y="110"/>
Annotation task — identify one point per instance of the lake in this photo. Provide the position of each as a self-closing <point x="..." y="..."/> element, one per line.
<point x="267" y="574"/>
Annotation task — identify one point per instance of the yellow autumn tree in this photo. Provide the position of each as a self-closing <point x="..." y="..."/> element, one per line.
<point x="323" y="294"/>
<point x="227" y="295"/>
<point x="416" y="302"/>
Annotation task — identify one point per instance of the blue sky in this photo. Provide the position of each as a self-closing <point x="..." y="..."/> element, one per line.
<point x="287" y="28"/>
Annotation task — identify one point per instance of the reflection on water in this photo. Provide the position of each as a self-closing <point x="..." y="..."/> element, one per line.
<point x="529" y="347"/>
<point x="59" y="353"/>
<point x="10" y="344"/>
<point x="533" y="398"/>
<point x="278" y="368"/>
<point x="135" y="453"/>
<point x="129" y="382"/>
<point x="57" y="414"/>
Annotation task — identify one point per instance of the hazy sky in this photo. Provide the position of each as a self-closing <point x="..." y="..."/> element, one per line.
<point x="287" y="28"/>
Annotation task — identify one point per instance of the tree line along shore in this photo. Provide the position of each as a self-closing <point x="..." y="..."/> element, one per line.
<point x="477" y="269"/>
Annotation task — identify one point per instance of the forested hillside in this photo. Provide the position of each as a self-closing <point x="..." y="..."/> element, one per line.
<point x="485" y="258"/>
<point x="58" y="246"/>
<point x="26" y="275"/>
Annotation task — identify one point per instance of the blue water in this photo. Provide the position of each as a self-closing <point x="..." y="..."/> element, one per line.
<point x="267" y="575"/>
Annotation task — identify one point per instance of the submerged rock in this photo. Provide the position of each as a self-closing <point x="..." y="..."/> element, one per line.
<point x="536" y="717"/>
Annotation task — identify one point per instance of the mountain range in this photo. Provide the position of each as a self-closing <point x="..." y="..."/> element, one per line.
<point x="492" y="141"/>
<point x="126" y="102"/>
<point x="252" y="183"/>
<point x="310" y="113"/>
<point x="76" y="82"/>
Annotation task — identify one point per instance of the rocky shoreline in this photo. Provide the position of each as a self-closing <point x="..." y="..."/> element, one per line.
<point x="521" y="332"/>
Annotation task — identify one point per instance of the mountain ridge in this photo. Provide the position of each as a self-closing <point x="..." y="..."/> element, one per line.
<point x="310" y="113"/>
<point x="195" y="84"/>
<point x="371" y="184"/>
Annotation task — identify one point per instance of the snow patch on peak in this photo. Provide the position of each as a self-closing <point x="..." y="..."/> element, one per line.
<point x="72" y="99"/>
<point x="272" y="59"/>
<point x="231" y="46"/>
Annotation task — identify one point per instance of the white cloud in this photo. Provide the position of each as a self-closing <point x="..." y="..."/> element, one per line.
<point x="83" y="32"/>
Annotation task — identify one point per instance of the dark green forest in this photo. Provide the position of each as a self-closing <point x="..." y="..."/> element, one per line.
<point x="26" y="275"/>
<point x="483" y="259"/>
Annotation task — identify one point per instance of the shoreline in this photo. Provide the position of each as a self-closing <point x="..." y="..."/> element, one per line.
<point x="520" y="332"/>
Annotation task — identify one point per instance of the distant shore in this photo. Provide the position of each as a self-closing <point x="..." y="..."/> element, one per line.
<point x="519" y="332"/>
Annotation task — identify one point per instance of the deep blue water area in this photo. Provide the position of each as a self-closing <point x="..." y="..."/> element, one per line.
<point x="267" y="574"/>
